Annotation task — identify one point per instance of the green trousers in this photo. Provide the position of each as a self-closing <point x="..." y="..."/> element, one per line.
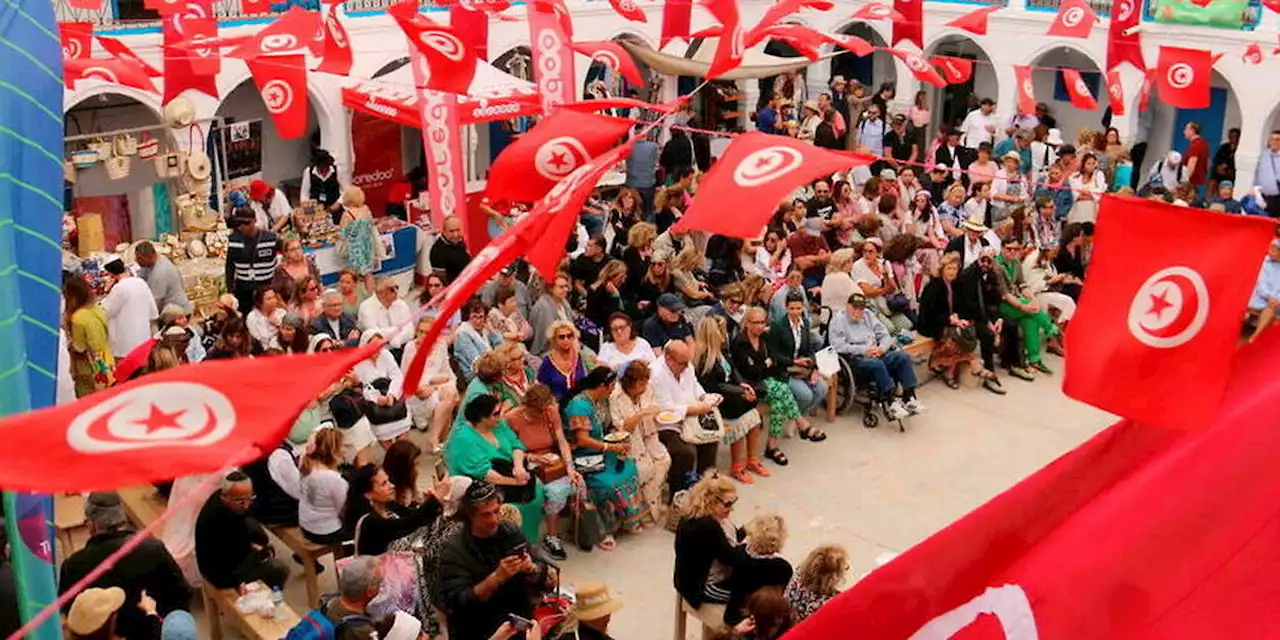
<point x="1035" y="327"/>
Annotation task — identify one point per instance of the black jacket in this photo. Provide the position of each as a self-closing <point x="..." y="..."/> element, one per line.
<point x="754" y="365"/>
<point x="699" y="542"/>
<point x="376" y="533"/>
<point x="465" y="561"/>
<point x="251" y="262"/>
<point x="977" y="301"/>
<point x="272" y="505"/>
<point x="728" y="384"/>
<point x="149" y="567"/>
<point x="750" y="575"/>
<point x="825" y="136"/>
<point x="957" y="244"/>
<point x="782" y="344"/>
<point x="935" y="308"/>
<point x="224" y="542"/>
<point x="346" y="324"/>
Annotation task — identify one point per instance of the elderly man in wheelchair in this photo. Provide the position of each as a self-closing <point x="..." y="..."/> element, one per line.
<point x="863" y="341"/>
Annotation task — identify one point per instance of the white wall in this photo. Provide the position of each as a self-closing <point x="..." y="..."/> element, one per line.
<point x="281" y="159"/>
<point x="1069" y="118"/>
<point x="1163" y="135"/>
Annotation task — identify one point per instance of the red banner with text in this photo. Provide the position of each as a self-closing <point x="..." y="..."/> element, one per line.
<point x="442" y="141"/>
<point x="552" y="59"/>
<point x="375" y="142"/>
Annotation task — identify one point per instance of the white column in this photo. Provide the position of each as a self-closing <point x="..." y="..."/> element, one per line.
<point x="750" y="92"/>
<point x="1255" y="122"/>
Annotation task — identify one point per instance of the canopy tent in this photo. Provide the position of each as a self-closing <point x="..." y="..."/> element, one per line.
<point x="493" y="95"/>
<point x="697" y="61"/>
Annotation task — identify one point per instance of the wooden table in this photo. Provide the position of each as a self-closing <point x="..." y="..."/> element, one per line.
<point x="254" y="626"/>
<point x="143" y="505"/>
<point x="68" y="516"/>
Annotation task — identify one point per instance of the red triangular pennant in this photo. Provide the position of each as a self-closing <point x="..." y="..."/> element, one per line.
<point x="956" y="70"/>
<point x="628" y="10"/>
<point x="975" y="21"/>
<point x="337" y="57"/>
<point x="1075" y="19"/>
<point x="612" y="55"/>
<point x="920" y="68"/>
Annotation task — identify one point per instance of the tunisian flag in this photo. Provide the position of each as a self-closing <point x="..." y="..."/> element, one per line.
<point x="442" y="140"/>
<point x="1183" y="77"/>
<point x="77" y="39"/>
<point x="1115" y="92"/>
<point x="1075" y="19"/>
<point x="628" y="9"/>
<point x="1078" y="90"/>
<point x="1124" y="43"/>
<point x="549" y="152"/>
<point x="282" y="81"/>
<point x="1156" y="331"/>
<point x="612" y="55"/>
<point x="911" y="27"/>
<point x="975" y="21"/>
<point x="677" y="16"/>
<point x="191" y="419"/>
<point x="337" y="58"/>
<point x="178" y="73"/>
<point x="956" y="70"/>
<point x="920" y="68"/>
<point x="1026" y="89"/>
<point x="452" y="64"/>
<point x="1140" y="533"/>
<point x="732" y="44"/>
<point x="755" y="172"/>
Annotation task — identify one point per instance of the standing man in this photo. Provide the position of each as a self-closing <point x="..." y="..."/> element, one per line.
<point x="642" y="170"/>
<point x="872" y="130"/>
<point x="980" y="125"/>
<point x="163" y="278"/>
<point x="1138" y="152"/>
<point x="251" y="257"/>
<point x="1224" y="161"/>
<point x="130" y="310"/>
<point x="1267" y="177"/>
<point x="448" y="253"/>
<point x="270" y="207"/>
<point x="1197" y="158"/>
<point x="900" y="145"/>
<point x="768" y="118"/>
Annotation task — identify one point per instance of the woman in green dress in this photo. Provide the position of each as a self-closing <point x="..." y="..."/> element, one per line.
<point x="615" y="489"/>
<point x="488" y="382"/>
<point x="484" y="444"/>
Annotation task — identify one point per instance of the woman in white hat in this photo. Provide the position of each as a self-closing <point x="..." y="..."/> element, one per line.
<point x="1010" y="188"/>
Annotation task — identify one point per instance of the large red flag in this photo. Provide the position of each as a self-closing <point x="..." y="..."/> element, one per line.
<point x="1124" y="43"/>
<point x="291" y="33"/>
<point x="628" y="10"/>
<point x="1078" y="90"/>
<point x="1184" y="76"/>
<point x="911" y="27"/>
<point x="552" y="58"/>
<point x="109" y="70"/>
<point x="204" y="60"/>
<point x="1140" y="533"/>
<point x="975" y="21"/>
<point x="452" y="63"/>
<point x="755" y="172"/>
<point x="1026" y="88"/>
<point x="853" y="44"/>
<point x="438" y="112"/>
<point x="472" y="26"/>
<point x="282" y="81"/>
<point x="777" y="12"/>
<point x="732" y="44"/>
<point x="255" y="7"/>
<point x="1162" y="323"/>
<point x="338" y="57"/>
<point x="181" y="421"/>
<point x="550" y="151"/>
<point x="956" y="70"/>
<point x="677" y="17"/>
<point x="1075" y="19"/>
<point x="122" y="51"/>
<point x="178" y="73"/>
<point x="612" y="55"/>
<point x="77" y="39"/>
<point x="805" y="40"/>
<point x="1115" y="92"/>
<point x="919" y="67"/>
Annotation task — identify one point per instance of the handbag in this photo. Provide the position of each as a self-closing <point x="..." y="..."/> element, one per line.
<point x="117" y="167"/>
<point x="898" y="302"/>
<point x="966" y="339"/>
<point x="589" y="464"/>
<point x="124" y="145"/>
<point x="591" y="525"/>
<point x="519" y="494"/>
<point x="148" y="147"/>
<point x="704" y="429"/>
<point x="549" y="472"/>
<point x="169" y="165"/>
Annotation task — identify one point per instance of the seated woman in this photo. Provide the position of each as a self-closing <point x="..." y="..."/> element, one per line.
<point x="773" y="257"/>
<point x="505" y="319"/>
<point x="605" y="294"/>
<point x="750" y="357"/>
<point x="741" y="420"/>
<point x="485" y="448"/>
<point x="624" y="345"/>
<point x="817" y="580"/>
<point x="763" y="566"/>
<point x="517" y="374"/>
<point x="488" y="381"/>
<point x="537" y="423"/>
<point x="473" y="338"/>
<point x="876" y="280"/>
<point x="264" y="320"/>
<point x="656" y="281"/>
<point x="768" y="616"/>
<point x="379" y="521"/>
<point x="382" y="384"/>
<point x="685" y="268"/>
<point x="294" y="337"/>
<point x="323" y="490"/>
<point x="401" y="465"/>
<point x="838" y="284"/>
<point x="1046" y="285"/>
<point x="632" y="408"/>
<point x="563" y="365"/>
<point x="306" y="299"/>
<point x="615" y="489"/>
<point x="940" y="320"/>
<point x="708" y="546"/>
<point x="432" y="405"/>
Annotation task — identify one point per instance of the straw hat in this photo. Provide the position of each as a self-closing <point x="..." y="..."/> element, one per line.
<point x="593" y="601"/>
<point x="93" y="608"/>
<point x="974" y="223"/>
<point x="180" y="112"/>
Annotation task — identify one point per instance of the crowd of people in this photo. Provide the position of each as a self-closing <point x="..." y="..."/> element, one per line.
<point x="606" y="391"/>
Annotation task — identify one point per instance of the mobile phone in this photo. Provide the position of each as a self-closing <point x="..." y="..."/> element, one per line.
<point x="520" y="624"/>
<point x="441" y="470"/>
<point x="519" y="549"/>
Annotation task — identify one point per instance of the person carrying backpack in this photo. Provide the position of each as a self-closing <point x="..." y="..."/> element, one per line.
<point x="344" y="616"/>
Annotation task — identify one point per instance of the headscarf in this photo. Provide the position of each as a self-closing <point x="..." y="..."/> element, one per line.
<point x="458" y="486"/>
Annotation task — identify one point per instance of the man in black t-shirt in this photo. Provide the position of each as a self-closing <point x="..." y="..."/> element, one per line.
<point x="898" y="143"/>
<point x="821" y="205"/>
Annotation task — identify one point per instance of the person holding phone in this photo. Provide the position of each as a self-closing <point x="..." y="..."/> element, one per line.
<point x="486" y="572"/>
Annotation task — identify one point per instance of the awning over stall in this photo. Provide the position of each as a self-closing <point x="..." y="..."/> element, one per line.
<point x="493" y="95"/>
<point x="755" y="62"/>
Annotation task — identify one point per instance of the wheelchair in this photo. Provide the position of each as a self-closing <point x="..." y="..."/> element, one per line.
<point x="853" y="388"/>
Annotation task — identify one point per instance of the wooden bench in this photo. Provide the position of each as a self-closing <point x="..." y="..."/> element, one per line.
<point x="310" y="553"/>
<point x="68" y="517"/>
<point x="143" y="505"/>
<point x="710" y="615"/>
<point x="251" y="625"/>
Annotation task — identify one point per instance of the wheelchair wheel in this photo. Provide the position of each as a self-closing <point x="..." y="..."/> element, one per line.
<point x="870" y="419"/>
<point x="846" y="391"/>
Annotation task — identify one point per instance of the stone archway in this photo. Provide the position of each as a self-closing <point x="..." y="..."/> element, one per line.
<point x="951" y="103"/>
<point x="283" y="160"/>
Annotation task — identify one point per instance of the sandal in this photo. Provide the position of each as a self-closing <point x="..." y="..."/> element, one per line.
<point x="739" y="473"/>
<point x="755" y="467"/>
<point x="952" y="381"/>
<point x="813" y="434"/>
<point x="608" y="544"/>
<point x="777" y="456"/>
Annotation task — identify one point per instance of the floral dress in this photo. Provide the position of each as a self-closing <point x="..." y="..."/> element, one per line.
<point x="357" y="238"/>
<point x="616" y="489"/>
<point x="651" y="457"/>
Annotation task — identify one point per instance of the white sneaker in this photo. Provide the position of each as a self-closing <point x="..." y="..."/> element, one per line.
<point x="914" y="406"/>
<point x="896" y="411"/>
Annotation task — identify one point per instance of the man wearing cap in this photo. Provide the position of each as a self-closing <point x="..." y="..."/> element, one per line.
<point x="863" y="339"/>
<point x="148" y="567"/>
<point x="1225" y="199"/>
<point x="593" y="607"/>
<point x="449" y="252"/>
<point x="320" y="182"/>
<point x="163" y="278"/>
<point x="668" y="323"/>
<point x="130" y="309"/>
<point x="388" y="315"/>
<point x="507" y="278"/>
<point x="970" y="243"/>
<point x="251" y="257"/>
<point x="1009" y="188"/>
<point x="271" y="209"/>
<point x="94" y="615"/>
<point x="899" y="144"/>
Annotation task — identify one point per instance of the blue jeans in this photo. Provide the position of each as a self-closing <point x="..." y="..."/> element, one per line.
<point x="808" y="395"/>
<point x="594" y="224"/>
<point x="888" y="370"/>
<point x="646" y="202"/>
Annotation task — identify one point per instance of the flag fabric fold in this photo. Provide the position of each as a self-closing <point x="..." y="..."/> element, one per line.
<point x="975" y="21"/>
<point x="920" y="68"/>
<point x="955" y="70"/>
<point x="1026" y="89"/>
<point x="1115" y="92"/>
<point x="282" y="81"/>
<point x="554" y="148"/>
<point x="442" y="140"/>
<point x="1078" y="90"/>
<point x="612" y="55"/>
<point x="1074" y="19"/>
<point x="1124" y="43"/>
<point x="338" y="57"/>
<point x="911" y="27"/>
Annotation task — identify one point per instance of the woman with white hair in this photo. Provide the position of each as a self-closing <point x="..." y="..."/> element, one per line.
<point x="432" y="405"/>
<point x="763" y="566"/>
<point x="358" y="237"/>
<point x="383" y="385"/>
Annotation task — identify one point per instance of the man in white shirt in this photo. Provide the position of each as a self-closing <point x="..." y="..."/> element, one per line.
<point x="130" y="310"/>
<point x="387" y="313"/>
<point x="979" y="126"/>
<point x="676" y="388"/>
<point x="270" y="208"/>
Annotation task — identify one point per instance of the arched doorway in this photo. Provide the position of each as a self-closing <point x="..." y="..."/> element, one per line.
<point x="603" y="81"/>
<point x="871" y="70"/>
<point x="951" y="103"/>
<point x="1168" y="123"/>
<point x="126" y="203"/>
<point x="281" y="162"/>
<point x="1051" y="91"/>
<point x="517" y="62"/>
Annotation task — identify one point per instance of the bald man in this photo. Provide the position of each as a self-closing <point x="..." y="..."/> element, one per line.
<point x="676" y="388"/>
<point x="448" y="253"/>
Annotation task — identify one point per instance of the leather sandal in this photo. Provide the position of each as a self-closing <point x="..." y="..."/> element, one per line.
<point x="754" y="466"/>
<point x="777" y="456"/>
<point x="739" y="472"/>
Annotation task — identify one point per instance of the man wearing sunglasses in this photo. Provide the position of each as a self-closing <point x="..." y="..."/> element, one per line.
<point x="251" y="256"/>
<point x="232" y="548"/>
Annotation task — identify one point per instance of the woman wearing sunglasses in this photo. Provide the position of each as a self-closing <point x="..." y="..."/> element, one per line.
<point x="708" y="547"/>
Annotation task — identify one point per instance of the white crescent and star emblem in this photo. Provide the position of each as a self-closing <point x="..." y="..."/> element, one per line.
<point x="1125" y="11"/>
<point x="163" y="414"/>
<point x="766" y="165"/>
<point x="1027" y="89"/>
<point x="1180" y="75"/>
<point x="73" y="49"/>
<point x="558" y="157"/>
<point x="1072" y="17"/>
<point x="278" y="96"/>
<point x="278" y="42"/>
<point x="335" y="29"/>
<point x="607" y="58"/>
<point x="444" y="42"/>
<point x="101" y="73"/>
<point x="1009" y="604"/>
<point x="878" y="11"/>
<point x="1170" y="308"/>
<point x="1081" y="87"/>
<point x="915" y="62"/>
<point x="1114" y="90"/>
